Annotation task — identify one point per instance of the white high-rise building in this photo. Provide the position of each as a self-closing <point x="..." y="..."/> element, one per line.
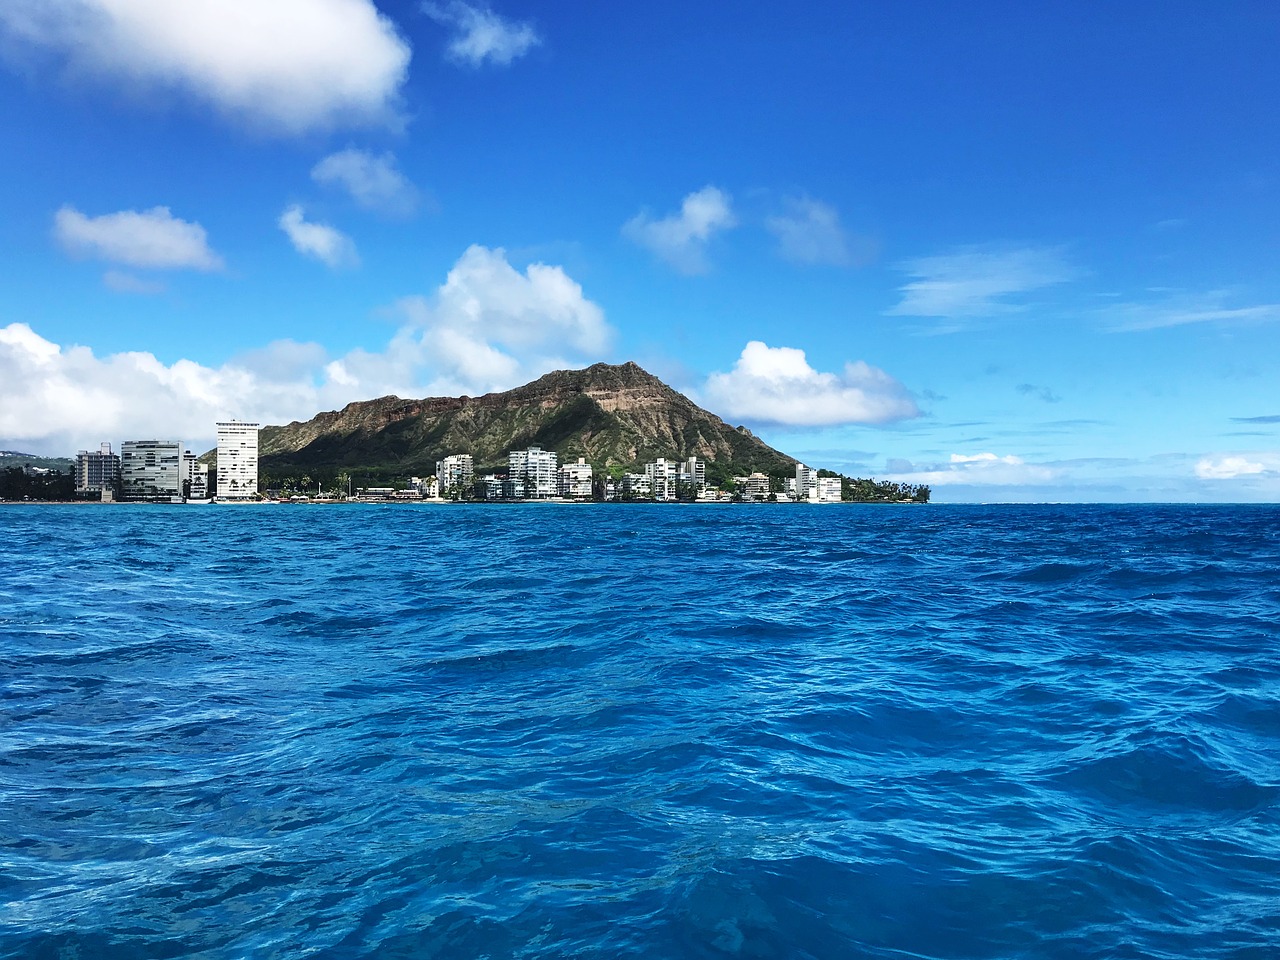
<point x="693" y="477"/>
<point x="151" y="469"/>
<point x="98" y="471"/>
<point x="196" y="474"/>
<point x="237" y="460"/>
<point x="536" y="470"/>
<point x="663" y="478"/>
<point x="806" y="483"/>
<point x="575" y="480"/>
<point x="455" y="473"/>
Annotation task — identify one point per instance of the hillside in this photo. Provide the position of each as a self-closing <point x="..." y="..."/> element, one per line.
<point x="612" y="415"/>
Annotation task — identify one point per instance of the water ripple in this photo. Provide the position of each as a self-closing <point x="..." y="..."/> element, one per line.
<point x="937" y="732"/>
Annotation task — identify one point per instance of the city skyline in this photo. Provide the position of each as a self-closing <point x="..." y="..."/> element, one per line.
<point x="1010" y="253"/>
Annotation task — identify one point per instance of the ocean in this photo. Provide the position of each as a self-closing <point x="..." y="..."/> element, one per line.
<point x="607" y="731"/>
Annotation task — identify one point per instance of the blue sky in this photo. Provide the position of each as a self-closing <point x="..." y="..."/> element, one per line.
<point x="1015" y="251"/>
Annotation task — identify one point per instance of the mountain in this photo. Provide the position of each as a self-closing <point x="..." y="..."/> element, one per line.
<point x="612" y="415"/>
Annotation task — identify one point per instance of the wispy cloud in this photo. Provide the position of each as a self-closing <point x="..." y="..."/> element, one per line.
<point x="979" y="282"/>
<point x="1042" y="393"/>
<point x="283" y="67"/>
<point x="122" y="282"/>
<point x="809" y="232"/>
<point x="681" y="239"/>
<point x="777" y="385"/>
<point x="1272" y="418"/>
<point x="374" y="182"/>
<point x="980" y="469"/>
<point x="319" y="240"/>
<point x="1183" y="309"/>
<point x="481" y="36"/>
<point x="153" y="239"/>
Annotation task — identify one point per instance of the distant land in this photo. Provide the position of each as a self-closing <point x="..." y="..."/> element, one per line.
<point x="616" y="416"/>
<point x="13" y="458"/>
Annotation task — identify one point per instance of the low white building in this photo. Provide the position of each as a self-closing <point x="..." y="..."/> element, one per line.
<point x="755" y="487"/>
<point x="575" y="480"/>
<point x="829" y="490"/>
<point x="427" y="487"/>
<point x="636" y="486"/>
<point x="151" y="469"/>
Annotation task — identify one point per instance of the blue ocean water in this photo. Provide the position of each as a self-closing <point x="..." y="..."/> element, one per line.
<point x="639" y="731"/>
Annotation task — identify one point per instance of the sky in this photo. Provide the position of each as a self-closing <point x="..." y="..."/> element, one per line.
<point x="1018" y="252"/>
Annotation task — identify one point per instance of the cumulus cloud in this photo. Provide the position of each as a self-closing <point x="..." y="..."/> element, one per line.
<point x="58" y="399"/>
<point x="488" y="327"/>
<point x="321" y="241"/>
<point x="152" y="238"/>
<point x="1234" y="467"/>
<point x="285" y="65"/>
<point x="372" y="181"/>
<point x="977" y="282"/>
<point x="681" y="239"/>
<point x="809" y="232"/>
<point x="777" y="385"/>
<point x="982" y="469"/>
<point x="481" y="36"/>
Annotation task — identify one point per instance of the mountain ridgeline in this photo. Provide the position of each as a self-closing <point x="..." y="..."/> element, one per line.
<point x="614" y="416"/>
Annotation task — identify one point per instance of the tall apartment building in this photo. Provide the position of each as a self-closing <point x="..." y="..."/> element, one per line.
<point x="237" y="460"/>
<point x="97" y="471"/>
<point x="455" y="473"/>
<point x="663" y="479"/>
<point x="693" y="475"/>
<point x="151" y="469"/>
<point x="195" y="477"/>
<point x="806" y="483"/>
<point x="536" y="470"/>
<point x="575" y="480"/>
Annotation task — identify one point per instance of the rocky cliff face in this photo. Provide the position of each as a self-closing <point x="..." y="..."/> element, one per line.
<point x="612" y="415"/>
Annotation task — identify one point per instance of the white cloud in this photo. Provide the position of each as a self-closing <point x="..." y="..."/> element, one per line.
<point x="319" y="240"/>
<point x="481" y="35"/>
<point x="777" y="385"/>
<point x="285" y="65"/>
<point x="681" y="239"/>
<point x="810" y="233"/>
<point x="982" y="469"/>
<point x="152" y="238"/>
<point x="1234" y="467"/>
<point x="975" y="282"/>
<point x="372" y="181"/>
<point x="122" y="282"/>
<point x="487" y="327"/>
<point x="490" y="326"/>
<point x="1183" y="309"/>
